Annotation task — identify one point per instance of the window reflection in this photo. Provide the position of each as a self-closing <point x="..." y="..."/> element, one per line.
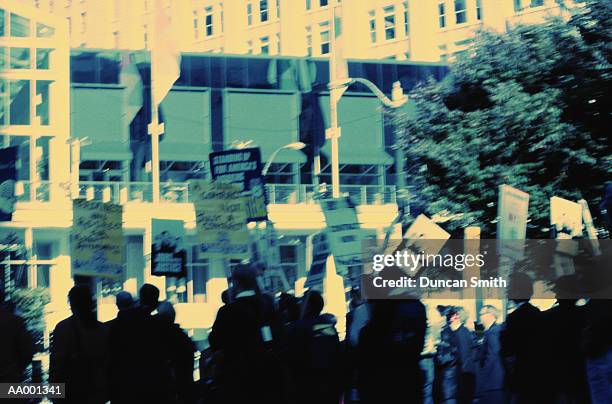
<point x="20" y="102"/>
<point x="20" y="26"/>
<point x="42" y="58"/>
<point x="42" y="109"/>
<point x="20" y="58"/>
<point x="44" y="31"/>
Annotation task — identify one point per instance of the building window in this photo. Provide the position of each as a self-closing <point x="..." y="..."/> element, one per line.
<point x="249" y="47"/>
<point x="19" y="111"/>
<point x="249" y="13"/>
<point x="479" y="10"/>
<point x="42" y="58"/>
<point x="309" y="40"/>
<point x="263" y="10"/>
<point x="372" y="17"/>
<point x="221" y="17"/>
<point x="42" y="109"/>
<point x="264" y="45"/>
<point x="278" y="14"/>
<point x="20" y="26"/>
<point x="323" y="3"/>
<point x="442" y="15"/>
<point x="208" y="21"/>
<point x="146" y="36"/>
<point x="537" y="3"/>
<point x="517" y="5"/>
<point x="389" y="13"/>
<point x="460" y="12"/>
<point x="406" y="20"/>
<point x="308" y="4"/>
<point x="324" y="34"/>
<point x="195" y="24"/>
<point x="278" y="44"/>
<point x="20" y="58"/>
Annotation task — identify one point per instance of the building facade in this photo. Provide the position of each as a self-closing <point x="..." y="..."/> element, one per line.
<point x="419" y="30"/>
<point x="67" y="111"/>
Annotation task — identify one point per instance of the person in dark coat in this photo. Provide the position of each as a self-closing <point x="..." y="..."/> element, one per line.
<point x="490" y="375"/>
<point x="455" y="362"/>
<point x="314" y="354"/>
<point x="388" y="352"/>
<point x="79" y="352"/>
<point x="245" y="337"/>
<point x="140" y="358"/>
<point x="16" y="345"/>
<point x="182" y="351"/>
<point x="522" y="349"/>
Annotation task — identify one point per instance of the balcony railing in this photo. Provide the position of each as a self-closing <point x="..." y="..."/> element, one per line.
<point x="178" y="192"/>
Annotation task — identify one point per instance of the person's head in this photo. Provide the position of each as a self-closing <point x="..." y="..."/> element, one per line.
<point x="166" y="312"/>
<point x="314" y="303"/>
<point x="289" y="307"/>
<point x="488" y="315"/>
<point x="244" y="278"/>
<point x="566" y="290"/>
<point x="521" y="287"/>
<point x="124" y="300"/>
<point x="455" y="317"/>
<point x="149" y="297"/>
<point x="81" y="301"/>
<point x="225" y="296"/>
<point x="356" y="298"/>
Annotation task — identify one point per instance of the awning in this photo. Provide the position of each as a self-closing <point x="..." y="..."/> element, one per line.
<point x="362" y="136"/>
<point x="97" y="113"/>
<point x="269" y="120"/>
<point x="187" y="126"/>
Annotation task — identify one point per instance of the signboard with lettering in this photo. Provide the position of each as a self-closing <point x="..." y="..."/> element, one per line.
<point x="320" y="252"/>
<point x="242" y="167"/>
<point x="97" y="239"/>
<point x="168" y="252"/>
<point x="512" y="221"/>
<point x="220" y="220"/>
<point x="343" y="233"/>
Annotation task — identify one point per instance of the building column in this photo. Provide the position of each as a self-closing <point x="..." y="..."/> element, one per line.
<point x="216" y="284"/>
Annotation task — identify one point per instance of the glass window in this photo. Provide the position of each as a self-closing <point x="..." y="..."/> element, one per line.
<point x="200" y="67"/>
<point x="3" y="97"/>
<point x="263" y="10"/>
<point x="2" y="14"/>
<point x="264" y="44"/>
<point x="479" y="10"/>
<point x="372" y="15"/>
<point x="460" y="11"/>
<point x="20" y="26"/>
<point x="195" y="24"/>
<point x="108" y="66"/>
<point x="83" y="67"/>
<point x="249" y="13"/>
<point x="309" y="40"/>
<point x="42" y="109"/>
<point x="442" y="15"/>
<point x="517" y="5"/>
<point x="278" y="12"/>
<point x="323" y="3"/>
<point x="20" y="58"/>
<point x="278" y="44"/>
<point x="2" y="58"/>
<point x="324" y="34"/>
<point x="308" y="4"/>
<point x="236" y="72"/>
<point x="208" y="21"/>
<point x="389" y="22"/>
<point x="42" y="58"/>
<point x="221" y="17"/>
<point x="250" y="47"/>
<point x="44" y="31"/>
<point x="406" y="19"/>
<point x="20" y="102"/>
<point x="537" y="3"/>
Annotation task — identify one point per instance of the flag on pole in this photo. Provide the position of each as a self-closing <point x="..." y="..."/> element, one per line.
<point x="130" y="79"/>
<point x="339" y="70"/>
<point x="165" y="55"/>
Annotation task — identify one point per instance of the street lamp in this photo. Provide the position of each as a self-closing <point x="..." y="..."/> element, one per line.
<point x="290" y="146"/>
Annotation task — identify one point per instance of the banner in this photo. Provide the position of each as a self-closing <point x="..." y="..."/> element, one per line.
<point x="220" y="220"/>
<point x="343" y="233"/>
<point x="242" y="167"/>
<point x="168" y="252"/>
<point x="320" y="252"/>
<point x="97" y="239"/>
<point x="8" y="176"/>
<point x="512" y="210"/>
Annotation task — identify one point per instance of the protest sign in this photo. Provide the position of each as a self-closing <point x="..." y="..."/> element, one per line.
<point x="343" y="233"/>
<point x="566" y="216"/>
<point x="242" y="167"/>
<point x="220" y="220"/>
<point x="424" y="236"/>
<point x="97" y="239"/>
<point x="168" y="252"/>
<point x="8" y="175"/>
<point x="512" y="214"/>
<point x="320" y="252"/>
<point x="590" y="228"/>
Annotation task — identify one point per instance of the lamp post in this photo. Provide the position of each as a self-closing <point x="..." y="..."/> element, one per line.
<point x="290" y="146"/>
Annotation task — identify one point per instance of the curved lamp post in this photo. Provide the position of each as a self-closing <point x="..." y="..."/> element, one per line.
<point x="290" y="146"/>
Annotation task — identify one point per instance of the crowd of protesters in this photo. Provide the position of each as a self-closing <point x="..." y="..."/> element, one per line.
<point x="286" y="350"/>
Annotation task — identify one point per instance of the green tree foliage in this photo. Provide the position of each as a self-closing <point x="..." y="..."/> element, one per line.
<point x="30" y="304"/>
<point x="529" y="108"/>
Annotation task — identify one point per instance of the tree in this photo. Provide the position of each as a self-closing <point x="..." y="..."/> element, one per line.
<point x="529" y="108"/>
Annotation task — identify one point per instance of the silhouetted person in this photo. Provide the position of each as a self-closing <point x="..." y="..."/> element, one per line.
<point x="16" y="346"/>
<point x="181" y="349"/>
<point x="522" y="348"/>
<point x="79" y="351"/>
<point x="124" y="300"/>
<point x="389" y="352"/>
<point x="490" y="368"/>
<point x="288" y="308"/>
<point x="245" y="334"/>
<point x="140" y="358"/>
<point x="455" y="366"/>
<point x="314" y="353"/>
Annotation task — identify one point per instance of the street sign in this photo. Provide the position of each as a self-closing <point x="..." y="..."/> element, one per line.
<point x="220" y="220"/>
<point x="168" y="252"/>
<point x="343" y="233"/>
<point x="242" y="167"/>
<point x="320" y="252"/>
<point x="512" y="222"/>
<point x="97" y="239"/>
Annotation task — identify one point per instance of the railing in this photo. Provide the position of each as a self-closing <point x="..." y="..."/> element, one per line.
<point x="178" y="192"/>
